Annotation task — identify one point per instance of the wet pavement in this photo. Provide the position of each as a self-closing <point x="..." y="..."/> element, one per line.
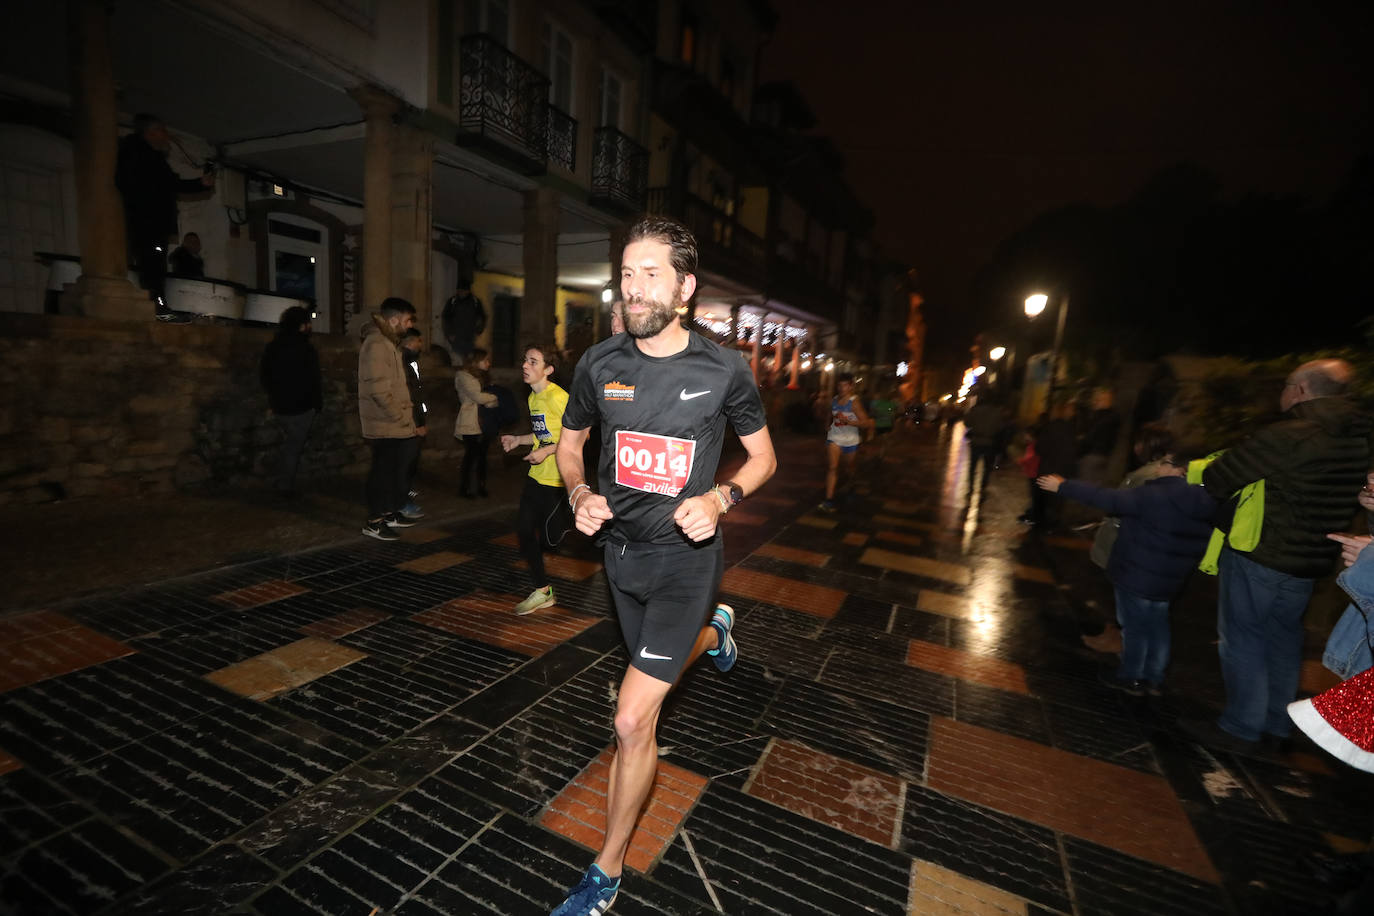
<point x="913" y="727"/>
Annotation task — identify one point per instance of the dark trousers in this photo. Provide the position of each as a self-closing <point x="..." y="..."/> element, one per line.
<point x="412" y="467"/>
<point x="1044" y="506"/>
<point x="386" y="479"/>
<point x="295" y="428"/>
<point x="151" y="257"/>
<point x="472" y="475"/>
<point x="544" y="519"/>
<point x="986" y="455"/>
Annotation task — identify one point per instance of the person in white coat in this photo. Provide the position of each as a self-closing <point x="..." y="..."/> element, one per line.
<point x="470" y="379"/>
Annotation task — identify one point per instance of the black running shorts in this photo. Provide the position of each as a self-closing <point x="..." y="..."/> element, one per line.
<point x="664" y="594"/>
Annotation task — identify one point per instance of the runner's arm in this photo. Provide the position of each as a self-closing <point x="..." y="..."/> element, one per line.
<point x="760" y="465"/>
<point x="590" y="509"/>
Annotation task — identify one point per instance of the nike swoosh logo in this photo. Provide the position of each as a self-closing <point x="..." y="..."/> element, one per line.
<point x="645" y="653"/>
<point x="683" y="395"/>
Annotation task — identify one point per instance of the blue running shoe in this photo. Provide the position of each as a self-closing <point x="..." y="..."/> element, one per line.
<point x="723" y="620"/>
<point x="593" y="895"/>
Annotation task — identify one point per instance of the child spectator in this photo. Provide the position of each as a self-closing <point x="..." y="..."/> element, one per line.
<point x="1165" y="526"/>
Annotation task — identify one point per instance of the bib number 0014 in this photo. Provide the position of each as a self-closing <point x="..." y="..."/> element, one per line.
<point x="653" y="464"/>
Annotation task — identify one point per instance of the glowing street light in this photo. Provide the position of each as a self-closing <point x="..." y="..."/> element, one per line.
<point x="1035" y="304"/>
<point x="997" y="353"/>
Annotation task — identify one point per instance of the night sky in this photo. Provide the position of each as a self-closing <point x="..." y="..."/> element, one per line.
<point x="960" y="122"/>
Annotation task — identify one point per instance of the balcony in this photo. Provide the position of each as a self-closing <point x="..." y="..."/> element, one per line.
<point x="726" y="247"/>
<point x="620" y="170"/>
<point x="561" y="137"/>
<point x="503" y="105"/>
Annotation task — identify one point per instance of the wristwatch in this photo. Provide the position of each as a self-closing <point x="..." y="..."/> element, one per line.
<point x="732" y="491"/>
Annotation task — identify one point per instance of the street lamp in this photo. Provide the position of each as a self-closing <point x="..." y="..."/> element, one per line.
<point x="1035" y="304"/>
<point x="997" y="353"/>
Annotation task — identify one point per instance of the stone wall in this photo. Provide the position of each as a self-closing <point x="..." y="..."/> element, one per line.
<point x="115" y="408"/>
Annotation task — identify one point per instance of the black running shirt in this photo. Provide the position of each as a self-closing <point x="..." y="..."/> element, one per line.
<point x="662" y="426"/>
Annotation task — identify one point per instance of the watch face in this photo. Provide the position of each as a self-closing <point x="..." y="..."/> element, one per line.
<point x="736" y="494"/>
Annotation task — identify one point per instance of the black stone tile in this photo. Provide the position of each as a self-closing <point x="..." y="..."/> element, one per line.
<point x="32" y="809"/>
<point x="763" y="859"/>
<point x="213" y="884"/>
<point x="1000" y="710"/>
<point x="501" y="702"/>
<point x="909" y="623"/>
<point x="1113" y="738"/>
<point x="297" y="830"/>
<point x="896" y="683"/>
<point x="1340" y="803"/>
<point x="709" y="723"/>
<point x="878" y="734"/>
<point x="22" y="897"/>
<point x="523" y="765"/>
<point x="424" y="750"/>
<point x="556" y="666"/>
<point x="89" y="866"/>
<point x="1106" y="881"/>
<point x="602" y="636"/>
<point x="1004" y="851"/>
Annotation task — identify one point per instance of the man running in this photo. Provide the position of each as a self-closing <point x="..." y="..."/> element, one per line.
<point x="662" y="396"/>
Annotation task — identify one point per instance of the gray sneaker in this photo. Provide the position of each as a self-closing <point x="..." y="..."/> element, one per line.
<point x="539" y="598"/>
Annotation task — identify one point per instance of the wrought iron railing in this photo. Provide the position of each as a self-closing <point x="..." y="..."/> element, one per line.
<point x="620" y="168"/>
<point x="715" y="228"/>
<point x="562" y="139"/>
<point x="502" y="97"/>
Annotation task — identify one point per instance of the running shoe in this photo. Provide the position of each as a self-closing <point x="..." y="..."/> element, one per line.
<point x="726" y="653"/>
<point x="380" y="531"/>
<point x="828" y="506"/>
<point x="539" y="598"/>
<point x="400" y="520"/>
<point x="592" y="896"/>
<point x="410" y="510"/>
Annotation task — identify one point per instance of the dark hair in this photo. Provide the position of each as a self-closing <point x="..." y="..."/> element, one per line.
<point x="395" y="305"/>
<point x="408" y="333"/>
<point x="292" y="318"/>
<point x="1153" y="442"/>
<point x="844" y="377"/>
<point x="1186" y="453"/>
<point x="189" y="235"/>
<point x="550" y="354"/>
<point x="671" y="233"/>
<point x="143" y="122"/>
<point x="471" y="367"/>
<point x="1319" y="381"/>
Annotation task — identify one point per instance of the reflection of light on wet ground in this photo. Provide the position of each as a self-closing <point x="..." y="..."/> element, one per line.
<point x="989" y="605"/>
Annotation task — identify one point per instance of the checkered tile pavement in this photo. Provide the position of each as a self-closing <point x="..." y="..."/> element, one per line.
<point x="912" y="728"/>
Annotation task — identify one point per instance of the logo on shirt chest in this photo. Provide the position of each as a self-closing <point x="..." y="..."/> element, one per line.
<point x="616" y="391"/>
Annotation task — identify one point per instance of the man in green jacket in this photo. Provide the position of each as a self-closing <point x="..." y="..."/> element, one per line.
<point x="1313" y="463"/>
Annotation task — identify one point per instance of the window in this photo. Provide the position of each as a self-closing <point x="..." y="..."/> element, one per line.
<point x="688" y="44"/>
<point x="610" y="100"/>
<point x="298" y="262"/>
<point x="491" y="17"/>
<point x="558" y="65"/>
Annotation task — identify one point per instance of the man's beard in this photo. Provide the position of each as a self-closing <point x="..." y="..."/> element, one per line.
<point x="651" y="322"/>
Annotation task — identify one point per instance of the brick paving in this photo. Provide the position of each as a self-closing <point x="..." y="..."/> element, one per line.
<point x="913" y="727"/>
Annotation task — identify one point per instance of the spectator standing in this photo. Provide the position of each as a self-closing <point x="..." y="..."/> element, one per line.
<point x="464" y="318"/>
<point x="290" y="373"/>
<point x="1054" y="446"/>
<point x="1166" y="524"/>
<point x="469" y="379"/>
<point x="412" y="345"/>
<point x="386" y="417"/>
<point x="150" y="188"/>
<point x="1313" y="463"/>
<point x="185" y="258"/>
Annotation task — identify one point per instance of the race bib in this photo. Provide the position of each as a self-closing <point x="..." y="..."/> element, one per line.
<point x="540" y="429"/>
<point x="654" y="464"/>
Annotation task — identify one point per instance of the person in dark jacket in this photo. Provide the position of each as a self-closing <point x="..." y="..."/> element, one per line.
<point x="1313" y="463"/>
<point x="290" y="372"/>
<point x="150" y="189"/>
<point x="1165" y="526"/>
<point x="185" y="258"/>
<point x="412" y="344"/>
<point x="1054" y="444"/>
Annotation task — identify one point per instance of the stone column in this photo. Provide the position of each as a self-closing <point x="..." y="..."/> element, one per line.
<point x="541" y="265"/>
<point x="379" y="110"/>
<point x="104" y="290"/>
<point x="793" y="383"/>
<point x="412" y="219"/>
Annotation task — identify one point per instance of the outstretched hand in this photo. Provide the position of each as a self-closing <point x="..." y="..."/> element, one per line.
<point x="1049" y="482"/>
<point x="1351" y="546"/>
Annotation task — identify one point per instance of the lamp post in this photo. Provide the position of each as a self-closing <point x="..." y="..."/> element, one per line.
<point x="1035" y="304"/>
